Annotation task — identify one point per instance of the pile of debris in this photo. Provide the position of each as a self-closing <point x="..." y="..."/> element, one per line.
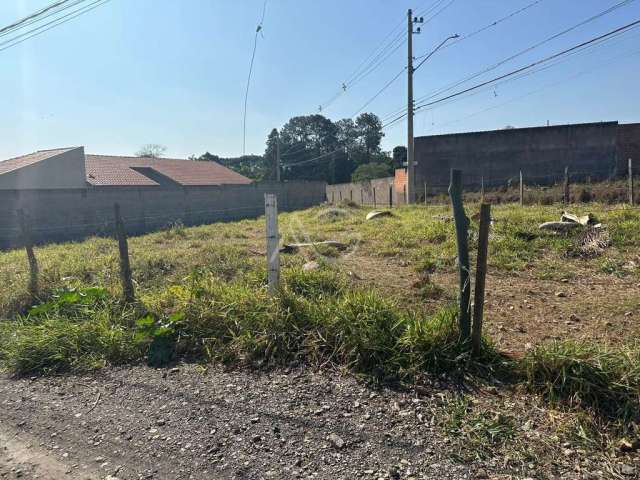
<point x="593" y="238"/>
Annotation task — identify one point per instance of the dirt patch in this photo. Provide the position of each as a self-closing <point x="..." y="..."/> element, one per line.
<point x="521" y="309"/>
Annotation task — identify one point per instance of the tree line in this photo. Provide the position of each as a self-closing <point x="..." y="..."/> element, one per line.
<point x="312" y="147"/>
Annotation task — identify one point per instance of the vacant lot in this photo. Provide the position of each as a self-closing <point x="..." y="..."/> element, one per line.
<point x="559" y="372"/>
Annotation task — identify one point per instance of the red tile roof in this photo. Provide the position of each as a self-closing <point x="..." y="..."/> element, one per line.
<point x="16" y="163"/>
<point x="105" y="170"/>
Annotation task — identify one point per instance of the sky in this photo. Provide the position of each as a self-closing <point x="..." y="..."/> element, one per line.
<point x="133" y="72"/>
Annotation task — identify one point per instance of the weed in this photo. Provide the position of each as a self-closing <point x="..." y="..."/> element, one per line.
<point x="475" y="434"/>
<point x="588" y="376"/>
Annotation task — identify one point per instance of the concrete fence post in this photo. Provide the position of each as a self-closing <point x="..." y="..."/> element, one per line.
<point x="123" y="249"/>
<point x="273" y="240"/>
<point x="27" y="241"/>
<point x="521" y="190"/>
<point x="565" y="195"/>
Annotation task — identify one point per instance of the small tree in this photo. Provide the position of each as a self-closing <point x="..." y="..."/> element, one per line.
<point x="369" y="171"/>
<point x="151" y="150"/>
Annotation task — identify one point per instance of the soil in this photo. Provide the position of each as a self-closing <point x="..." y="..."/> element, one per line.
<point x="522" y="310"/>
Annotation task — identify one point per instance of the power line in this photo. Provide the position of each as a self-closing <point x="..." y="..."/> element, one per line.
<point x="33" y="15"/>
<point x="246" y="93"/>
<point x="387" y="85"/>
<point x="486" y="27"/>
<point x="526" y="50"/>
<point x="545" y="87"/>
<point x="395" y="115"/>
<point x="59" y="21"/>
<point x="538" y="62"/>
<point x="52" y="10"/>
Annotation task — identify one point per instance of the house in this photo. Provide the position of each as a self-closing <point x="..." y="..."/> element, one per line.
<point x="65" y="168"/>
<point x="64" y="194"/>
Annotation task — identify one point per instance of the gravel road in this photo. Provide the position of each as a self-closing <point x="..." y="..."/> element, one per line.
<point x="190" y="423"/>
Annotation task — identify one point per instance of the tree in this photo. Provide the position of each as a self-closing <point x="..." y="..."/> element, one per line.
<point x="271" y="156"/>
<point x="151" y="150"/>
<point x="308" y="147"/>
<point x="251" y="166"/>
<point x="369" y="171"/>
<point x="369" y="128"/>
<point x="399" y="156"/>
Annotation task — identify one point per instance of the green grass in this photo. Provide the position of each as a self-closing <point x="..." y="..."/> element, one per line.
<point x="202" y="296"/>
<point x="316" y="319"/>
<point x="589" y="376"/>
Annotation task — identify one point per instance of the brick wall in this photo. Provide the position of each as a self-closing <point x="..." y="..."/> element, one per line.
<point x="66" y="214"/>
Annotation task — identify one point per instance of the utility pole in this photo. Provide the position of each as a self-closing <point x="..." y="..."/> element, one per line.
<point x="411" y="194"/>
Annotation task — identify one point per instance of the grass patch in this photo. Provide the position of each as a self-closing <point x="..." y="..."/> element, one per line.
<point x="475" y="434"/>
<point x="589" y="376"/>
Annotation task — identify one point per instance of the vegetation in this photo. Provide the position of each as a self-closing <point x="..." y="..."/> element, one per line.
<point x="202" y="297"/>
<point x="369" y="171"/>
<point x="339" y="147"/>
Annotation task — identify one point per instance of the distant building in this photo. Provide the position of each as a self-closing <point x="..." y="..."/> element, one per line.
<point x="67" y="168"/>
<point x="595" y="150"/>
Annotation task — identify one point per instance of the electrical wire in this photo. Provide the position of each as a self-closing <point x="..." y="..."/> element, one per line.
<point x="50" y="25"/>
<point x="486" y="27"/>
<point x="395" y="115"/>
<point x="33" y="15"/>
<point x="624" y="28"/>
<point x="39" y="16"/>
<point x="538" y="90"/>
<point x="526" y="50"/>
<point x="246" y="93"/>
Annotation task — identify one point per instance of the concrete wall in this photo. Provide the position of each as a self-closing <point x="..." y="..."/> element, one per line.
<point x="363" y="192"/>
<point x="628" y="146"/>
<point x="541" y="153"/>
<point x="66" y="170"/>
<point x="58" y="215"/>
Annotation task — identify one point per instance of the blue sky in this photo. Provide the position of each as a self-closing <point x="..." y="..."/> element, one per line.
<point x="173" y="72"/>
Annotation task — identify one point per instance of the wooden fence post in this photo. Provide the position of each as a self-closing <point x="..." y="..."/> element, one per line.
<point x="521" y="190"/>
<point x="631" y="193"/>
<point x="565" y="196"/>
<point x="340" y="193"/>
<point x="404" y="193"/>
<point x="425" y="193"/>
<point x="390" y="196"/>
<point x="481" y="274"/>
<point x="374" y="197"/>
<point x="351" y="194"/>
<point x="462" y="240"/>
<point x="273" y="252"/>
<point x="333" y="197"/>
<point x="27" y="241"/>
<point x="123" y="248"/>
<point x="482" y="189"/>
<point x="361" y="197"/>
